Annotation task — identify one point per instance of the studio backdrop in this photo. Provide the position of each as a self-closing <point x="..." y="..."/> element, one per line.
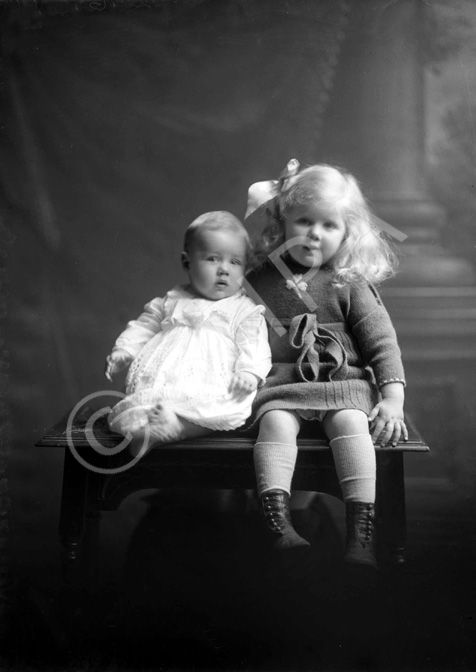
<point x="121" y="122"/>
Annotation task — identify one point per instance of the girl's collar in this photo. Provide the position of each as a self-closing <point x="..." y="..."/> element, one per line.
<point x="293" y="266"/>
<point x="298" y="269"/>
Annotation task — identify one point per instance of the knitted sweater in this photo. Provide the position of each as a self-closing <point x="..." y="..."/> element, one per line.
<point x="332" y="357"/>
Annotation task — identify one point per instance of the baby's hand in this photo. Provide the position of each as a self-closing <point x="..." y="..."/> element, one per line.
<point x="116" y="361"/>
<point x="386" y="422"/>
<point x="243" y="383"/>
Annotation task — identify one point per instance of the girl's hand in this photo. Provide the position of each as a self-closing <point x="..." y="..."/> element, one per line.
<point x="116" y="361"/>
<point x="243" y="383"/>
<point x="387" y="422"/>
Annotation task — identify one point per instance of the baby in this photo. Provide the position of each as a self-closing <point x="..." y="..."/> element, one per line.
<point x="197" y="355"/>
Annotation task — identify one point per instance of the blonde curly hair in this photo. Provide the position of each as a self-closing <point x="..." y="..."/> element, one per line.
<point x="365" y="255"/>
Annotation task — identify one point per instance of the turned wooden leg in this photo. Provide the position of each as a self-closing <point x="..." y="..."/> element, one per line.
<point x="391" y="511"/>
<point x="71" y="526"/>
<point x="89" y="551"/>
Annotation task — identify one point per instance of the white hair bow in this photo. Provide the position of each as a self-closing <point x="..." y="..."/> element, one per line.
<point x="262" y="194"/>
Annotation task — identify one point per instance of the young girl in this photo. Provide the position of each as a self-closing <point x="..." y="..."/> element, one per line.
<point x="338" y="361"/>
<point x="197" y="355"/>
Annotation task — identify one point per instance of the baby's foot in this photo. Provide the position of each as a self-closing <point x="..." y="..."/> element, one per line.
<point x="163" y="425"/>
<point x="125" y="420"/>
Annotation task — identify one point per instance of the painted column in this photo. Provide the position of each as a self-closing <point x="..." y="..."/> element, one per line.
<point x="378" y="128"/>
<point x="375" y="127"/>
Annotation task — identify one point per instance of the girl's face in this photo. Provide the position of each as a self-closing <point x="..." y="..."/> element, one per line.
<point x="216" y="264"/>
<point x="320" y="230"/>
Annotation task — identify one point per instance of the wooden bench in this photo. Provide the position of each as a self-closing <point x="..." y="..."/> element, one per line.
<point x="220" y="460"/>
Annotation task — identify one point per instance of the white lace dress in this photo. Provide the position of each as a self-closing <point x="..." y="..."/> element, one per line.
<point x="186" y="350"/>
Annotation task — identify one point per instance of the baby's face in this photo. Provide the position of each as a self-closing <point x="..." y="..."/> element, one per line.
<point x="216" y="264"/>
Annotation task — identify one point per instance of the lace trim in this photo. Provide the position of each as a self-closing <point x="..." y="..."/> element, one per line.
<point x="181" y="304"/>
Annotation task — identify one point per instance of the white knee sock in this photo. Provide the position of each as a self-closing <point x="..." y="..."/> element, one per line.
<point x="354" y="457"/>
<point x="274" y="465"/>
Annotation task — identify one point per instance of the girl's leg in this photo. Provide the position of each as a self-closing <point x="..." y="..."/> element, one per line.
<point x="354" y="457"/>
<point x="353" y="452"/>
<point x="275" y="455"/>
<point x="276" y="450"/>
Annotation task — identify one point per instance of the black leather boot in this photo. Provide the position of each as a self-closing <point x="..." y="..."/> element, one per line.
<point x="277" y="517"/>
<point x="360" y="537"/>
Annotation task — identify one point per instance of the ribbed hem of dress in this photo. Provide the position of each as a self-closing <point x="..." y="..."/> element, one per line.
<point x="337" y="395"/>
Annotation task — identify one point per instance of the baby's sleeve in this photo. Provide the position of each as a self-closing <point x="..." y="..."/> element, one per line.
<point x="251" y="337"/>
<point x="138" y="332"/>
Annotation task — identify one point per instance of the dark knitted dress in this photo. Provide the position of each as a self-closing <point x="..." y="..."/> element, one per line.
<point x="333" y="356"/>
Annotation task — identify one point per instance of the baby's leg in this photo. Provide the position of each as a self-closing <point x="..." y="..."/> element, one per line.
<point x="275" y="455"/>
<point x="354" y="457"/>
<point x="163" y="426"/>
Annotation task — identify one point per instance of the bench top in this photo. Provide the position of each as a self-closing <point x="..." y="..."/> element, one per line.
<point x="311" y="438"/>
